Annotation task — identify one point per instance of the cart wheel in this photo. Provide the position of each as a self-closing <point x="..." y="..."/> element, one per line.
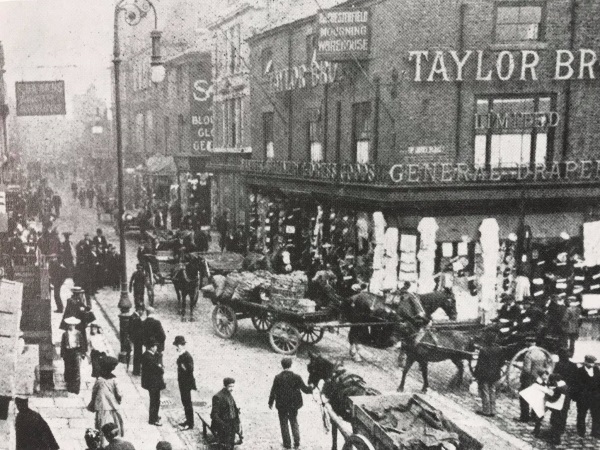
<point x="312" y="335"/>
<point x="263" y="322"/>
<point x="224" y="321"/>
<point x="284" y="338"/>
<point x="515" y="367"/>
<point x="357" y="442"/>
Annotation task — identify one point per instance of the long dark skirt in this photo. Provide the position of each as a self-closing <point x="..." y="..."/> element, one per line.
<point x="96" y="360"/>
<point x="72" y="359"/>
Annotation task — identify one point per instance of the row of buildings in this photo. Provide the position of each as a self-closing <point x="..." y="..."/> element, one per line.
<point x="456" y="110"/>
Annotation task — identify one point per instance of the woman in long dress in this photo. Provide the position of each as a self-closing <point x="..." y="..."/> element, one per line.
<point x="106" y="396"/>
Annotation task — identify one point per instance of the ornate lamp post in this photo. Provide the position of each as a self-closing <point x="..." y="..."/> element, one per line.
<point x="134" y="11"/>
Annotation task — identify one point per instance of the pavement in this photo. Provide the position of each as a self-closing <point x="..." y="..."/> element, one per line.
<point x="248" y="358"/>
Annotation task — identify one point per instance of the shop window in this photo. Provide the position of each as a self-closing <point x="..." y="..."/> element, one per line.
<point x="520" y="22"/>
<point x="311" y="47"/>
<point x="315" y="131"/>
<point x="509" y="132"/>
<point x="361" y="131"/>
<point x="266" y="60"/>
<point x="268" y="134"/>
<point x="233" y="49"/>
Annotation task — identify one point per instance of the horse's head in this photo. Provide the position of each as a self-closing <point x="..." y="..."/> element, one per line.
<point x="449" y="304"/>
<point x="320" y="368"/>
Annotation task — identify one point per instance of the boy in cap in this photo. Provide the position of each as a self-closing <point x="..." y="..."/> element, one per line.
<point x="588" y="398"/>
<point x="225" y="415"/>
<point x="186" y="381"/>
<point x="286" y="393"/>
<point x="115" y="442"/>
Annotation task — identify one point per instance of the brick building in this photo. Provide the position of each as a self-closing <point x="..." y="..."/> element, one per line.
<point x="457" y="111"/>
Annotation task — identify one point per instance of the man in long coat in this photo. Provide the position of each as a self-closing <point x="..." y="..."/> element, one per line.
<point x="152" y="380"/>
<point x="153" y="330"/>
<point x="186" y="381"/>
<point x="32" y="431"/>
<point x="225" y="415"/>
<point x="136" y="329"/>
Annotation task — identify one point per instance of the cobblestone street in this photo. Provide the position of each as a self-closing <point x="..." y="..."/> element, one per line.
<point x="248" y="358"/>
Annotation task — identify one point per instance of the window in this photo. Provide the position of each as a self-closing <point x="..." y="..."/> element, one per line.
<point x="266" y="60"/>
<point x="311" y="47"/>
<point x="232" y="122"/>
<point x="268" y="134"/>
<point x="315" y="131"/>
<point x="513" y="130"/>
<point x="180" y="124"/>
<point x="518" y="23"/>
<point x="361" y="131"/>
<point x="179" y="80"/>
<point x="233" y="49"/>
<point x="167" y="129"/>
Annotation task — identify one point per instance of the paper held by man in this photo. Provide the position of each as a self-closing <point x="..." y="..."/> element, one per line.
<point x="535" y="395"/>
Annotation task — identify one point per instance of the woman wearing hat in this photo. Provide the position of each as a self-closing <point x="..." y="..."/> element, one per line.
<point x="106" y="396"/>
<point x="72" y="350"/>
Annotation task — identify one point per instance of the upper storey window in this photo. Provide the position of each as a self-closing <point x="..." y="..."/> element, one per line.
<point x="519" y="22"/>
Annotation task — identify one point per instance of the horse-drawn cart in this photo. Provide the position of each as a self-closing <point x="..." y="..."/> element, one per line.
<point x="286" y="328"/>
<point x="222" y="263"/>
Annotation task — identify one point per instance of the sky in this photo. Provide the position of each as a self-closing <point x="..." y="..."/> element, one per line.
<point x="67" y="40"/>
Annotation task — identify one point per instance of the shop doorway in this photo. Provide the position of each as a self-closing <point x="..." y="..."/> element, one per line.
<point x="200" y="199"/>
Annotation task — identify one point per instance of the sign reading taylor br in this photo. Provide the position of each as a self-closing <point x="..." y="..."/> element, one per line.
<point x="40" y="98"/>
<point x="344" y="34"/>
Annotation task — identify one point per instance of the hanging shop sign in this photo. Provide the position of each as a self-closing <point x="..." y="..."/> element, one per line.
<point x="344" y="34"/>
<point x="201" y="106"/>
<point x="305" y="75"/>
<point x="483" y="65"/>
<point x="40" y="98"/>
<point x="585" y="170"/>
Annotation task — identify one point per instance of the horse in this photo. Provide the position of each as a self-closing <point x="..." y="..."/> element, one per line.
<point x="399" y="312"/>
<point x="187" y="280"/>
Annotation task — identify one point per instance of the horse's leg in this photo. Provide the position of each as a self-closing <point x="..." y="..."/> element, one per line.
<point x="424" y="373"/>
<point x="461" y="371"/>
<point x="410" y="359"/>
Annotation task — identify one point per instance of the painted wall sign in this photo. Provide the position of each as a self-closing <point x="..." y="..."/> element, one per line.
<point x="505" y="65"/>
<point x="305" y="75"/>
<point x="40" y="98"/>
<point x="585" y="170"/>
<point x="201" y="106"/>
<point x="426" y="150"/>
<point x="344" y="34"/>
<point x="516" y="121"/>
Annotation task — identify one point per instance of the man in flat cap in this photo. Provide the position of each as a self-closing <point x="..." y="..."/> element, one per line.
<point x="286" y="393"/>
<point x="186" y="381"/>
<point x="225" y="415"/>
<point x="32" y="431"/>
<point x="588" y="396"/>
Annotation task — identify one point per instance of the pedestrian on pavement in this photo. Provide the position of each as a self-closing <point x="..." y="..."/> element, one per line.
<point x="106" y="397"/>
<point x="81" y="196"/>
<point x="488" y="373"/>
<point x="32" y="431"/>
<point x="542" y="381"/>
<point x="67" y="254"/>
<point x="164" y="445"/>
<point x="136" y="335"/>
<point x="93" y="439"/>
<point x="72" y="351"/>
<point x="559" y="412"/>
<point x="571" y="322"/>
<point x="74" y="189"/>
<point x="286" y="393"/>
<point x="152" y="380"/>
<point x="534" y="363"/>
<point x="90" y="193"/>
<point x="58" y="274"/>
<point x="56" y="203"/>
<point x="186" y="381"/>
<point x="588" y="397"/>
<point x="225" y="415"/>
<point x="98" y="348"/>
<point x="223" y="229"/>
<point x="115" y="442"/>
<point x="76" y="307"/>
<point x="138" y="283"/>
<point x="568" y="371"/>
<point x="153" y="330"/>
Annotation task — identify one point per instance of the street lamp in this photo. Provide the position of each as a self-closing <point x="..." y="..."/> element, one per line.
<point x="134" y="11"/>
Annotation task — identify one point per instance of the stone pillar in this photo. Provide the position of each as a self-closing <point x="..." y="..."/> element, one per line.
<point x="377" y="278"/>
<point x="490" y="248"/>
<point x="427" y="228"/>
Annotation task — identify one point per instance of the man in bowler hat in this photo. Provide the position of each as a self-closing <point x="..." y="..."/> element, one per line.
<point x="588" y="397"/>
<point x="186" y="381"/>
<point x="286" y="393"/>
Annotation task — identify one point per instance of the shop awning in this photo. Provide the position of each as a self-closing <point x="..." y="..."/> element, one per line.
<point x="543" y="226"/>
<point x="161" y="165"/>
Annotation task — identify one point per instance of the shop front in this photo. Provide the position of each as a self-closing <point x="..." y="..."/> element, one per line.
<point x="194" y="186"/>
